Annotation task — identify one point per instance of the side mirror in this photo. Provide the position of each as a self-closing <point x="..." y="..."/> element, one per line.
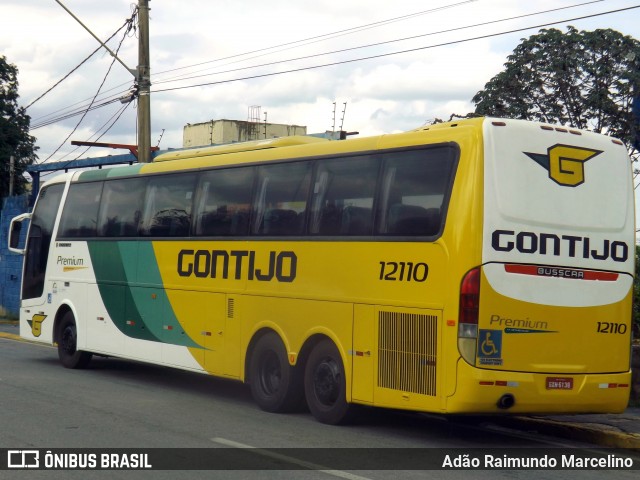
<point x="14" y="233"/>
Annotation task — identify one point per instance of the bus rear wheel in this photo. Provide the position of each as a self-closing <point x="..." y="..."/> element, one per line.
<point x="325" y="385"/>
<point x="276" y="386"/>
<point x="68" y="353"/>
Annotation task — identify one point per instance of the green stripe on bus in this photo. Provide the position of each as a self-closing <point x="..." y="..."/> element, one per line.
<point x="134" y="297"/>
<point x="91" y="175"/>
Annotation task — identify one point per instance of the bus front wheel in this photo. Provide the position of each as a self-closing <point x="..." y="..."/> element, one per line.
<point x="325" y="385"/>
<point x="68" y="353"/>
<point x="275" y="385"/>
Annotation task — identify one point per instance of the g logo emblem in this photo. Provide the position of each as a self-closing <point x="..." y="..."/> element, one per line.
<point x="36" y="324"/>
<point x="565" y="163"/>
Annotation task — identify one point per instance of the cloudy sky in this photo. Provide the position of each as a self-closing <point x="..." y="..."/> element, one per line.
<point x="397" y="65"/>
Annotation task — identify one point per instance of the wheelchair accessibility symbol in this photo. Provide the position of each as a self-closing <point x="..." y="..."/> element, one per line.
<point x="490" y="344"/>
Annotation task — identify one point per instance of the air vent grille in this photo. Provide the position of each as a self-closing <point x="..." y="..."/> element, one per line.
<point x="231" y="304"/>
<point x="407" y="352"/>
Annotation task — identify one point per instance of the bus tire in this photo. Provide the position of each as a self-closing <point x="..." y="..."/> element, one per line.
<point x="69" y="355"/>
<point x="325" y="385"/>
<point x="276" y="386"/>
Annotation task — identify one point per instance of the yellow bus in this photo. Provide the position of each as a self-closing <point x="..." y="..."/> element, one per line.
<point x="481" y="266"/>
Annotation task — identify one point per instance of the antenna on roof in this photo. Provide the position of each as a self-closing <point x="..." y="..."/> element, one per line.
<point x="344" y="109"/>
<point x="333" y="124"/>
<point x="265" y="124"/>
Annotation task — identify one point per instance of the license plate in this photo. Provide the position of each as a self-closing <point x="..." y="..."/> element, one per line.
<point x="559" y="383"/>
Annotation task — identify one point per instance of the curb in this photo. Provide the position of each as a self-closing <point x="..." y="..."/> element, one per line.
<point x="10" y="336"/>
<point x="599" y="434"/>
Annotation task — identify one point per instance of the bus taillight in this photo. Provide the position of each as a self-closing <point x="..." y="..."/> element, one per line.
<point x="468" y="315"/>
<point x="469" y="304"/>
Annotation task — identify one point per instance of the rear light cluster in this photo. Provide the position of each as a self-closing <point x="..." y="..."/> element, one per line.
<point x="468" y="315"/>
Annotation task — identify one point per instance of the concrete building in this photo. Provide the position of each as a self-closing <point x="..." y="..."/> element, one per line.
<point x="216" y="132"/>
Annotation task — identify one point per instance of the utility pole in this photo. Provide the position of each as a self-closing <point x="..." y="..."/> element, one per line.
<point x="143" y="78"/>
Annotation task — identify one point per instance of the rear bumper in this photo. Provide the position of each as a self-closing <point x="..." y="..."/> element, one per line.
<point x="479" y="391"/>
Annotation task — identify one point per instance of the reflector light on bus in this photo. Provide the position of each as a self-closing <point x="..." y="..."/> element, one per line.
<point x="499" y="383"/>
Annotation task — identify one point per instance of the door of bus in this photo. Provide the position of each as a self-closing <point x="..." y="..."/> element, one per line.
<point x="34" y="294"/>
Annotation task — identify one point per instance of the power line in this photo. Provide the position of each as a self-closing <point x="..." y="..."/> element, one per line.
<point x="379" y="43"/>
<point x="75" y="113"/>
<point x="95" y="96"/>
<point x="40" y="122"/>
<point x="127" y="22"/>
<point x="117" y="116"/>
<point x="371" y="57"/>
<point x="347" y="31"/>
<point x="69" y="110"/>
<point x="308" y="40"/>
<point x="63" y="78"/>
<point x="92" y="106"/>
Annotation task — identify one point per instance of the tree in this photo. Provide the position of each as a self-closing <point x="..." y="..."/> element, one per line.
<point x="580" y="79"/>
<point x="14" y="131"/>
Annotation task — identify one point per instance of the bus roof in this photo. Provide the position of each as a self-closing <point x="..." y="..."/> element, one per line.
<point x="239" y="147"/>
<point x="269" y="150"/>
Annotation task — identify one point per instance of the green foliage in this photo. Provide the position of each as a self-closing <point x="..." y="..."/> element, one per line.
<point x="581" y="79"/>
<point x="14" y="131"/>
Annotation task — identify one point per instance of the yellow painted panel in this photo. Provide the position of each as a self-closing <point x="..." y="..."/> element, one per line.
<point x="521" y="336"/>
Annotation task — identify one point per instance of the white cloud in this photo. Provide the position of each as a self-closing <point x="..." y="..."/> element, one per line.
<point x="390" y="93"/>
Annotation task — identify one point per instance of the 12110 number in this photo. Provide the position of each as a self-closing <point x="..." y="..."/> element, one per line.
<point x="607" y="327"/>
<point x="404" y="271"/>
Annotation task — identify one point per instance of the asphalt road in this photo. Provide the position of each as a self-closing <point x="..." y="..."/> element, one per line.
<point x="121" y="404"/>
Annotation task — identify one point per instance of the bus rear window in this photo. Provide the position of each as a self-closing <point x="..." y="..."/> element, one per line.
<point x="414" y="192"/>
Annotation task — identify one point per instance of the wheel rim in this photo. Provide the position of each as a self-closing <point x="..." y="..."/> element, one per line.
<point x="327" y="381"/>
<point x="270" y="373"/>
<point x="69" y="339"/>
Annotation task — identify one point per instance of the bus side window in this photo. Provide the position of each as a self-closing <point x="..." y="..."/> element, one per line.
<point x="415" y="189"/>
<point x="280" y="205"/>
<point x="121" y="209"/>
<point x="224" y="202"/>
<point x="80" y="215"/>
<point x="343" y="197"/>
<point x="167" y="210"/>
